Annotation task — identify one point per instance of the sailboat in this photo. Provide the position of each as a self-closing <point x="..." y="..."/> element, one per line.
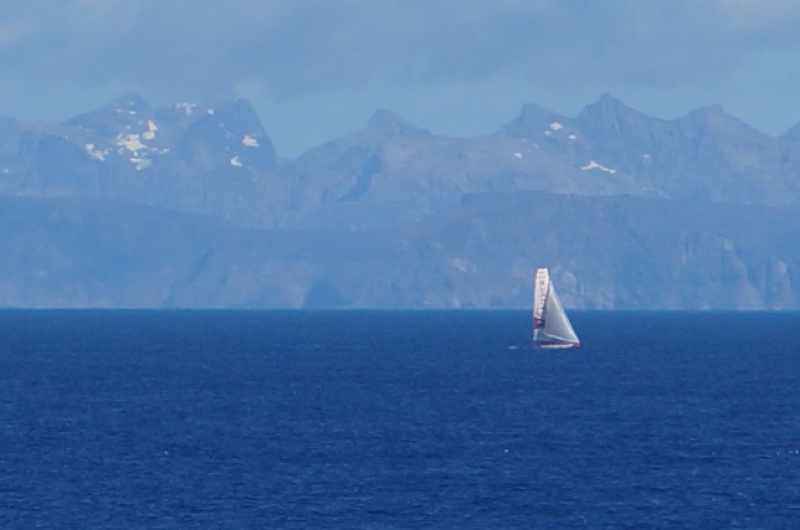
<point x="551" y="327"/>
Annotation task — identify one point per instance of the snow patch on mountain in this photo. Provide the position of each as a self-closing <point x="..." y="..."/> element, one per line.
<point x="591" y="165"/>
<point x="97" y="154"/>
<point x="131" y="142"/>
<point x="249" y="141"/>
<point x="186" y="108"/>
<point x="140" y="163"/>
<point x="150" y="133"/>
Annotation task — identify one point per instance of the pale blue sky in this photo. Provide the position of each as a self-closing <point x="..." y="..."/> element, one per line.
<point x="318" y="69"/>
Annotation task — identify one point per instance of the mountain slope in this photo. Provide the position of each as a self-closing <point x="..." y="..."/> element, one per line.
<point x="611" y="252"/>
<point x="189" y="206"/>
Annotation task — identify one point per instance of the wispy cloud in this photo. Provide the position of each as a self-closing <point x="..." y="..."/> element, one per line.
<point x="58" y="54"/>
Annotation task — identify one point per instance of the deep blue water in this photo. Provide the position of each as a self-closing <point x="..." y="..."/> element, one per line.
<point x="397" y="420"/>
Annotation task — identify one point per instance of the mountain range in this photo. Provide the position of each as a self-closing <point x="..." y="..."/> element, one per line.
<point x="190" y="206"/>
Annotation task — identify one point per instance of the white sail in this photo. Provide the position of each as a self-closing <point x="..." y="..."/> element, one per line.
<point x="551" y="327"/>
<point x="541" y="286"/>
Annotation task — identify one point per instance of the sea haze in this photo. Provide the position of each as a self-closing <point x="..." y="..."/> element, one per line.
<point x="397" y="420"/>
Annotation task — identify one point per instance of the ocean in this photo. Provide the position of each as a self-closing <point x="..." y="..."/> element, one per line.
<point x="391" y="419"/>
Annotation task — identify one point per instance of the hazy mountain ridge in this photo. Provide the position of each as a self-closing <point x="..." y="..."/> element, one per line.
<point x="199" y="159"/>
<point x="605" y="252"/>
<point x="609" y="149"/>
<point x="189" y="206"/>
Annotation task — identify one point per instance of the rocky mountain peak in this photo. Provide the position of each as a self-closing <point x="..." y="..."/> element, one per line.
<point x="532" y="120"/>
<point x="387" y="124"/>
<point x="230" y="134"/>
<point x="132" y="103"/>
<point x="609" y="114"/>
<point x="715" y="118"/>
<point x="118" y="116"/>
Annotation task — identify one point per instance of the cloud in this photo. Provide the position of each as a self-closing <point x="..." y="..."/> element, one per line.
<point x="301" y="46"/>
<point x="62" y="53"/>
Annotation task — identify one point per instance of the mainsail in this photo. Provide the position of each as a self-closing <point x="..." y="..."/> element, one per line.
<point x="551" y="327"/>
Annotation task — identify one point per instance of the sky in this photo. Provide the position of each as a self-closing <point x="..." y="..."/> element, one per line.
<point x="316" y="70"/>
